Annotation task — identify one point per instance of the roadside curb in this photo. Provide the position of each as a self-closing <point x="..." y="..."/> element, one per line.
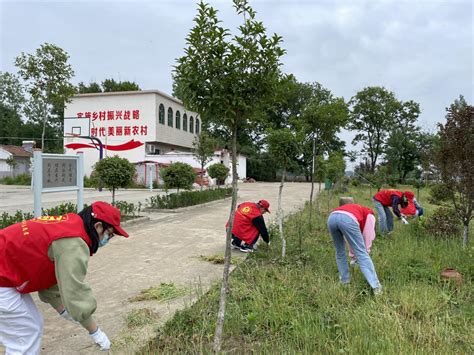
<point x="187" y="208"/>
<point x="135" y="221"/>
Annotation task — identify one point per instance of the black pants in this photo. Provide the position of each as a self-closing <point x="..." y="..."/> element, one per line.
<point x="240" y="242"/>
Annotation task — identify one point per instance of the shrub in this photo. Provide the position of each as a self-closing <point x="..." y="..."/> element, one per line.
<point x="113" y="172"/>
<point x="439" y="193"/>
<point x="178" y="175"/>
<point x="443" y="223"/>
<point x="20" y="179"/>
<point x="128" y="208"/>
<point x="187" y="198"/>
<point x="218" y="172"/>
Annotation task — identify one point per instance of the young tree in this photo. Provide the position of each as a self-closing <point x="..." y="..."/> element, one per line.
<point x="204" y="146"/>
<point x="455" y="159"/>
<point x="48" y="76"/>
<point x="373" y="114"/>
<point x="284" y="147"/>
<point x="219" y="172"/>
<point x="178" y="176"/>
<point x="113" y="173"/>
<point x="322" y="119"/>
<point x="228" y="81"/>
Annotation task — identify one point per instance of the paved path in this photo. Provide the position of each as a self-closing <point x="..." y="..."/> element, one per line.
<point x="164" y="249"/>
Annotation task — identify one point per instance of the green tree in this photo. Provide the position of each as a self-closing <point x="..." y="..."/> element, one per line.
<point x="218" y="171"/>
<point x="10" y="125"/>
<point x="204" y="146"/>
<point x="90" y="88"/>
<point x="455" y="159"/>
<point x="228" y="81"/>
<point x="178" y="176"/>
<point x="401" y="151"/>
<point x="113" y="173"/>
<point x="373" y="114"/>
<point x="12" y="94"/>
<point x="284" y="148"/>
<point x="48" y="76"/>
<point x="110" y="85"/>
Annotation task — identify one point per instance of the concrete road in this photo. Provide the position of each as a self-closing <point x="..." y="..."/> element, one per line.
<point x="13" y="198"/>
<point x="167" y="248"/>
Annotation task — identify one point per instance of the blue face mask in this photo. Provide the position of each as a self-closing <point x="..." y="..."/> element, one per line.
<point x="104" y="240"/>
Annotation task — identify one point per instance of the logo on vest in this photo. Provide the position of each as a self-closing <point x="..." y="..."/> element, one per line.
<point x="50" y="219"/>
<point x="245" y="210"/>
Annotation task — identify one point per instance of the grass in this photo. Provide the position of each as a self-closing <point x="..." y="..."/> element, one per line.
<point x="219" y="259"/>
<point x="163" y="292"/>
<point x="297" y="305"/>
<point x="140" y="317"/>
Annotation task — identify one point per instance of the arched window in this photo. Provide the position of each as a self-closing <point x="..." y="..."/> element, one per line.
<point x="191" y="124"/>
<point x="185" y="122"/>
<point x="161" y="114"/>
<point x="197" y="125"/>
<point x="178" y="120"/>
<point x="170" y="117"/>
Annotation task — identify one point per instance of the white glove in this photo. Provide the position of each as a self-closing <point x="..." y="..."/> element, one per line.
<point x="100" y="338"/>
<point x="67" y="316"/>
<point x="404" y="220"/>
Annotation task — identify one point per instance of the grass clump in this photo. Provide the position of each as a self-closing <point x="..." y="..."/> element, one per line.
<point x="297" y="305"/>
<point x="219" y="259"/>
<point x="140" y="317"/>
<point x="163" y="292"/>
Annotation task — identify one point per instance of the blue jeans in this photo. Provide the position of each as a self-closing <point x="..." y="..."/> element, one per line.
<point x="340" y="226"/>
<point x="385" y="217"/>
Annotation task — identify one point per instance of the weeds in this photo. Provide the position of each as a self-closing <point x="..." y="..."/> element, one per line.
<point x="219" y="259"/>
<point x="297" y="305"/>
<point x="162" y="293"/>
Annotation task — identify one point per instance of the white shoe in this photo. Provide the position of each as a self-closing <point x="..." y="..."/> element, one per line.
<point x="378" y="291"/>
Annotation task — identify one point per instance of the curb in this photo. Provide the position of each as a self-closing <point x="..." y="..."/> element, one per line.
<point x="135" y="221"/>
<point x="181" y="209"/>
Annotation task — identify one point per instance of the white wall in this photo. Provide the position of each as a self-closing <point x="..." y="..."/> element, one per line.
<point x="4" y="155"/>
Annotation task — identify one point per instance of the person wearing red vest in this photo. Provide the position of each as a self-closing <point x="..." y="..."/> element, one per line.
<point x="49" y="255"/>
<point x="385" y="199"/>
<point x="413" y="208"/>
<point x="249" y="225"/>
<point x="350" y="222"/>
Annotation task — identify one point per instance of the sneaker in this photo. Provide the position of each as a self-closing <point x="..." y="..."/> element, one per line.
<point x="246" y="249"/>
<point x="377" y="291"/>
<point x="233" y="245"/>
<point x="354" y="263"/>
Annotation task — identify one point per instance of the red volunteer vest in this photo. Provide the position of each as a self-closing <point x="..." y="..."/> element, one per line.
<point x="384" y="196"/>
<point x="410" y="210"/>
<point x="359" y="212"/>
<point x="24" y="261"/>
<point x="243" y="227"/>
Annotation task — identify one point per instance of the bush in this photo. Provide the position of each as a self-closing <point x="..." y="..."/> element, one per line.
<point x="178" y="175"/>
<point x="439" y="193"/>
<point x="187" y="198"/>
<point x="113" y="172"/>
<point x="218" y="172"/>
<point x="128" y="208"/>
<point x="443" y="223"/>
<point x="21" y="179"/>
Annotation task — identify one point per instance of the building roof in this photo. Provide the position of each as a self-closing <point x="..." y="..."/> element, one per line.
<point x="140" y="92"/>
<point x="16" y="150"/>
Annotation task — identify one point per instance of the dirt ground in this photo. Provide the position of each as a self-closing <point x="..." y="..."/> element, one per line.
<point x="165" y="248"/>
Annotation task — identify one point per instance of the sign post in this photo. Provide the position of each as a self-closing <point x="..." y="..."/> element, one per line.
<point x="57" y="173"/>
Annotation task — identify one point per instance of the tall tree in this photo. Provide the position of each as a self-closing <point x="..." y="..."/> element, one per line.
<point x="284" y="148"/>
<point x="108" y="85"/>
<point x="48" y="76"/>
<point x="401" y="150"/>
<point x="228" y="81"/>
<point x="373" y="114"/>
<point x="203" y="147"/>
<point x="90" y="88"/>
<point x="12" y="94"/>
<point x="455" y="159"/>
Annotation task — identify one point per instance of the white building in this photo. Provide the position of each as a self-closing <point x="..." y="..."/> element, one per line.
<point x="15" y="160"/>
<point x="142" y="126"/>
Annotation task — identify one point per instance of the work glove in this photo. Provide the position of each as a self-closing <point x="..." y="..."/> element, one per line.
<point x="404" y="220"/>
<point x="101" y="339"/>
<point x="67" y="316"/>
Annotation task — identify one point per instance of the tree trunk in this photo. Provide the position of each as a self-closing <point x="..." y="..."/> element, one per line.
<point x="202" y="175"/>
<point x="43" y="133"/>
<point x="312" y="184"/>
<point x="280" y="216"/>
<point x="465" y="238"/>
<point x="113" y="196"/>
<point x="227" y="257"/>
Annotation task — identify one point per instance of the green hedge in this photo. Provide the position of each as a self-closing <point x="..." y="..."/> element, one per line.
<point x="187" y="198"/>
<point x="127" y="210"/>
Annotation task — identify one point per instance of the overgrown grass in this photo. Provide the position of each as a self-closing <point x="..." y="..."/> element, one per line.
<point x="297" y="305"/>
<point x="140" y="317"/>
<point x="219" y="259"/>
<point x="163" y="292"/>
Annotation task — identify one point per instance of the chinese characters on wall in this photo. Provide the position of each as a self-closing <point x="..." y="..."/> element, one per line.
<point x="128" y="125"/>
<point x="59" y="172"/>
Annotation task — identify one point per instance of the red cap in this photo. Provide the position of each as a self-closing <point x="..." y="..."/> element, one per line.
<point x="265" y="204"/>
<point x="409" y="194"/>
<point x="109" y="214"/>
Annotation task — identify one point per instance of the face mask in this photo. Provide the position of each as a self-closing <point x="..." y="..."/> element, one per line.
<point x="104" y="240"/>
